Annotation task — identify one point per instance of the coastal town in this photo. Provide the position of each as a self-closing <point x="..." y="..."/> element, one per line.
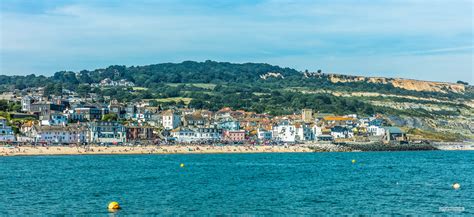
<point x="69" y="119"/>
<point x="236" y="108"/>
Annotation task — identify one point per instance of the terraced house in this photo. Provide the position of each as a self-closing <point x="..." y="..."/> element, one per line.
<point x="107" y="133"/>
<point x="72" y="134"/>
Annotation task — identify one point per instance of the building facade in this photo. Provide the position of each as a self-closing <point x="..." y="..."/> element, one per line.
<point x="233" y="135"/>
<point x="307" y="115"/>
<point x="59" y="134"/>
<point x="284" y="133"/>
<point x="264" y="134"/>
<point x="170" y="120"/>
<point x="6" y="132"/>
<point x="107" y="132"/>
<point x="135" y="133"/>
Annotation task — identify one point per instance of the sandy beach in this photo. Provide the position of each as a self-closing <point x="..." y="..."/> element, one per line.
<point x="202" y="149"/>
<point x="178" y="149"/>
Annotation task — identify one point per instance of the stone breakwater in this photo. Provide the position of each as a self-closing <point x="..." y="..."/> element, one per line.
<point x="391" y="147"/>
<point x="348" y="147"/>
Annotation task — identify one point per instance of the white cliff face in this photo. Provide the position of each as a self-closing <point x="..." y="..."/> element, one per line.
<point x="408" y="84"/>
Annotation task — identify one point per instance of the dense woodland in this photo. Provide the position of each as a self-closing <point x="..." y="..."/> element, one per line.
<point x="236" y="85"/>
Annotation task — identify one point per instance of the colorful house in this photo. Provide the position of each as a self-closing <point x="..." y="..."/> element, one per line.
<point x="233" y="135"/>
<point x="6" y="132"/>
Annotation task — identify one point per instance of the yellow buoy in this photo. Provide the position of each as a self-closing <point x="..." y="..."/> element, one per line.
<point x="353" y="161"/>
<point x="181" y="165"/>
<point x="456" y="186"/>
<point x="114" y="205"/>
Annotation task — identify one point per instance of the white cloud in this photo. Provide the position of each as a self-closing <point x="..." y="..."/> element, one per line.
<point x="440" y="50"/>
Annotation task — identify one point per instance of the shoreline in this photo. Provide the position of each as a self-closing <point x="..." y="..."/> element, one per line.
<point x="211" y="149"/>
<point x="117" y="150"/>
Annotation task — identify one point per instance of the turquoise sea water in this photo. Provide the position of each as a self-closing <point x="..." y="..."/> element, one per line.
<point x="274" y="184"/>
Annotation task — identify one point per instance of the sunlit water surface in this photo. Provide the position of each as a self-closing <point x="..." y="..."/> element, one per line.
<point x="254" y="184"/>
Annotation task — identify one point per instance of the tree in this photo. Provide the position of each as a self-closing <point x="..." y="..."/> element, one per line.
<point x="15" y="107"/>
<point x="84" y="77"/>
<point x="83" y="90"/>
<point x="110" y="117"/>
<point x="10" y="106"/>
<point x="3" y="105"/>
<point x="462" y="82"/>
<point x="196" y="103"/>
<point x="180" y="104"/>
<point x="53" y="89"/>
<point x="153" y="103"/>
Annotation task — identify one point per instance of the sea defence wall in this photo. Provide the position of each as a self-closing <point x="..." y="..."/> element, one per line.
<point x="353" y="146"/>
<point x="390" y="147"/>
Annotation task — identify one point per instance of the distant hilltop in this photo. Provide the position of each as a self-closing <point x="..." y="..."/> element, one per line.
<point x="253" y="74"/>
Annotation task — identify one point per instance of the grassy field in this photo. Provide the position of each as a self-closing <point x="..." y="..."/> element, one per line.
<point x="139" y="88"/>
<point x="435" y="136"/>
<point x="175" y="99"/>
<point x="203" y="92"/>
<point x="261" y="94"/>
<point x="200" y="85"/>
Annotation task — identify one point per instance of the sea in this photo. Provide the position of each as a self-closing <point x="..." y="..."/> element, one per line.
<point x="376" y="183"/>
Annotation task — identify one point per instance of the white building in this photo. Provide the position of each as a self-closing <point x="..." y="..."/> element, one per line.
<point x="284" y="133"/>
<point x="375" y="130"/>
<point x="26" y="103"/>
<point x="208" y="134"/>
<point x="55" y="120"/>
<point x="317" y="131"/>
<point x="59" y="134"/>
<point x="184" y="135"/>
<point x="170" y="120"/>
<point x="339" y="132"/>
<point x="198" y="134"/>
<point x="107" y="82"/>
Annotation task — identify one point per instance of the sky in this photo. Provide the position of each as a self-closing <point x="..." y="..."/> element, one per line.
<point x="427" y="40"/>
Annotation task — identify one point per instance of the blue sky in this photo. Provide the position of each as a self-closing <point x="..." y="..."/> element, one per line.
<point x="429" y="40"/>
